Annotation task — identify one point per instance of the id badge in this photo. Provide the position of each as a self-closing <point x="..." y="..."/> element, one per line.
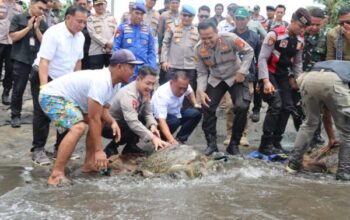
<point x="31" y="41"/>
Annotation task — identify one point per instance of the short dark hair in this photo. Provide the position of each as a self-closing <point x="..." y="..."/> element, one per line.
<point x="166" y="1"/>
<point x="180" y="74"/>
<point x="145" y="71"/>
<point x="219" y="5"/>
<point x="72" y="10"/>
<point x="207" y="24"/>
<point x="35" y="1"/>
<point x="204" y="8"/>
<point x="317" y="12"/>
<point x="344" y="10"/>
<point x="281" y="6"/>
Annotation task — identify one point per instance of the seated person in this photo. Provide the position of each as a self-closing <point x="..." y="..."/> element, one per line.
<point x="132" y="110"/>
<point x="167" y="108"/>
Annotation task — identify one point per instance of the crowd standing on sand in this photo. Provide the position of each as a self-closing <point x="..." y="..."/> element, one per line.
<point x="157" y="72"/>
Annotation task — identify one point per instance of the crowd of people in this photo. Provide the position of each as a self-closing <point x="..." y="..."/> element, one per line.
<point x="157" y="72"/>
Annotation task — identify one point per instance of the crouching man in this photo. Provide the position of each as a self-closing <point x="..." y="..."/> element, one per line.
<point x="81" y="98"/>
<point x="166" y="106"/>
<point x="131" y="108"/>
<point x="325" y="86"/>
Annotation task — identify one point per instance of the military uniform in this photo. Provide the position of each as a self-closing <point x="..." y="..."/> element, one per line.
<point x="314" y="50"/>
<point x="133" y="115"/>
<point x="51" y="18"/>
<point x="326" y="85"/>
<point x="139" y="40"/>
<point x="101" y="30"/>
<point x="280" y="58"/>
<point x="216" y="71"/>
<point x="7" y="12"/>
<point x="338" y="46"/>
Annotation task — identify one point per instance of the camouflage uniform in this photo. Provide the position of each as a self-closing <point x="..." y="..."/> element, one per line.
<point x="314" y="49"/>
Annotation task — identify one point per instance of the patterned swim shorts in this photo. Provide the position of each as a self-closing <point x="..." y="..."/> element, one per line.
<point x="63" y="112"/>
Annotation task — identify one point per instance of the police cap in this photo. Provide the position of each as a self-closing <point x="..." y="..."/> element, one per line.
<point x="188" y="9"/>
<point x="303" y="16"/>
<point x="140" y="7"/>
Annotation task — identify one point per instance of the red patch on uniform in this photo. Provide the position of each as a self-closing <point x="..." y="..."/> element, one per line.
<point x="239" y="43"/>
<point x="117" y="33"/>
<point x="135" y="104"/>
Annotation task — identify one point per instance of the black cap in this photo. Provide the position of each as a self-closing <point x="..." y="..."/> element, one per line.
<point x="124" y="56"/>
<point x="270" y="8"/>
<point x="303" y="16"/>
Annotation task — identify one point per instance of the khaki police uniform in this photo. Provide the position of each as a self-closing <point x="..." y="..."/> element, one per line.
<point x="165" y="20"/>
<point x="216" y="69"/>
<point x="101" y="30"/>
<point x="151" y="18"/>
<point x="333" y="45"/>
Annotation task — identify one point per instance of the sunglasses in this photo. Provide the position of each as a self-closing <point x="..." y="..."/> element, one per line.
<point x="204" y="16"/>
<point x="187" y="15"/>
<point x="342" y="23"/>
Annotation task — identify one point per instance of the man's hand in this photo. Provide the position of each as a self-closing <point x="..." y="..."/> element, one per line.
<point x="204" y="99"/>
<point x="331" y="143"/>
<point x="173" y="141"/>
<point x="197" y="106"/>
<point x="158" y="143"/>
<point x="155" y="130"/>
<point x="101" y="161"/>
<point x="293" y="83"/>
<point x="239" y="78"/>
<point x="165" y="67"/>
<point x="268" y="87"/>
<point x="346" y="30"/>
<point x="116" y="131"/>
<point x="37" y="22"/>
<point x="30" y="22"/>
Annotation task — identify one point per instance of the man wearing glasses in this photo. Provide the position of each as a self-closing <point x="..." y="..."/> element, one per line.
<point x="203" y="13"/>
<point x="338" y="39"/>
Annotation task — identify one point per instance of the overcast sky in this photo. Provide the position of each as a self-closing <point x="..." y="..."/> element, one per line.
<point x="291" y="5"/>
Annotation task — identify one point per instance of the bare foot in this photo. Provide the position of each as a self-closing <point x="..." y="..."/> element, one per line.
<point x="58" y="181"/>
<point x="88" y="168"/>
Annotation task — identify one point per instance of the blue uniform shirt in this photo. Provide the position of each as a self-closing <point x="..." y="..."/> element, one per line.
<point x="139" y="40"/>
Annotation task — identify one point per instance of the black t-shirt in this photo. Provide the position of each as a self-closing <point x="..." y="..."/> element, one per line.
<point x="25" y="49"/>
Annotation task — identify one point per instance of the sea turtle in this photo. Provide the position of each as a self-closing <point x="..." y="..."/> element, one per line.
<point x="173" y="159"/>
<point x="319" y="160"/>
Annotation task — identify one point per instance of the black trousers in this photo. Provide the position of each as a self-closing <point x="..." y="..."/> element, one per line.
<point x="128" y="137"/>
<point x="41" y="123"/>
<point x="240" y="96"/>
<point x="20" y="77"/>
<point x="99" y="61"/>
<point x="5" y="55"/>
<point x="256" y="99"/>
<point x="281" y="105"/>
<point x="85" y="62"/>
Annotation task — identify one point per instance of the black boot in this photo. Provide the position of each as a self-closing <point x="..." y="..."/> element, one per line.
<point x="212" y="147"/>
<point x="5" y="98"/>
<point x="277" y="143"/>
<point x="233" y="148"/>
<point x="111" y="149"/>
<point x="343" y="172"/>
<point x="266" y="145"/>
<point x="133" y="149"/>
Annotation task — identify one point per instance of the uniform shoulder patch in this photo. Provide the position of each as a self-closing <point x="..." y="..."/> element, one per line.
<point x="117" y="33"/>
<point x="239" y="43"/>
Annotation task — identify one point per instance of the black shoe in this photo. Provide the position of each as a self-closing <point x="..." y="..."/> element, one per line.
<point x="133" y="149"/>
<point x="111" y="149"/>
<point x="342" y="176"/>
<point x="16" y="122"/>
<point x="255" y="116"/>
<point x="233" y="148"/>
<point x="5" y="99"/>
<point x="269" y="150"/>
<point x="212" y="147"/>
<point x="293" y="167"/>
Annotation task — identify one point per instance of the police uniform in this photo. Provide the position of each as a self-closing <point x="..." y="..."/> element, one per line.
<point x="216" y="71"/>
<point x="7" y="12"/>
<point x="50" y="18"/>
<point x="338" y="46"/>
<point x="134" y="116"/>
<point x="139" y="40"/>
<point x="166" y="19"/>
<point x="101" y="30"/>
<point x="152" y="19"/>
<point x="280" y="58"/>
<point x="326" y="85"/>
<point x="125" y="18"/>
<point x="178" y="48"/>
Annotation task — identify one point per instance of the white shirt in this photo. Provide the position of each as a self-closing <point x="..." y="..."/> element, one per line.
<point x="81" y="85"/>
<point x="224" y="26"/>
<point x="164" y="102"/>
<point x="62" y="49"/>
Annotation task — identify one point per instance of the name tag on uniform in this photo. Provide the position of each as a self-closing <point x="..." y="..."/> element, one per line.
<point x="31" y="41"/>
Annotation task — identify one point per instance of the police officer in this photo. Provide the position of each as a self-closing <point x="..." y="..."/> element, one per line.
<point x="126" y="15"/>
<point x="151" y="18"/>
<point x="338" y="39"/>
<point x="137" y="37"/>
<point x="178" y="46"/>
<point x="325" y="86"/>
<point x="50" y="18"/>
<point x="101" y="27"/>
<point x="241" y="20"/>
<point x="280" y="62"/>
<point x="8" y="9"/>
<point x="131" y="109"/>
<point x="166" y="19"/>
<point x="219" y="70"/>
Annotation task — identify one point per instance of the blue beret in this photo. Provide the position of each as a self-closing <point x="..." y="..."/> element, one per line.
<point x="140" y="7"/>
<point x="188" y="9"/>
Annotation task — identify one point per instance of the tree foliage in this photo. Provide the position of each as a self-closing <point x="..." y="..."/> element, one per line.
<point x="332" y="8"/>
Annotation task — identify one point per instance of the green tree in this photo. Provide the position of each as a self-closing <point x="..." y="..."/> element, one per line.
<point x="332" y="8"/>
